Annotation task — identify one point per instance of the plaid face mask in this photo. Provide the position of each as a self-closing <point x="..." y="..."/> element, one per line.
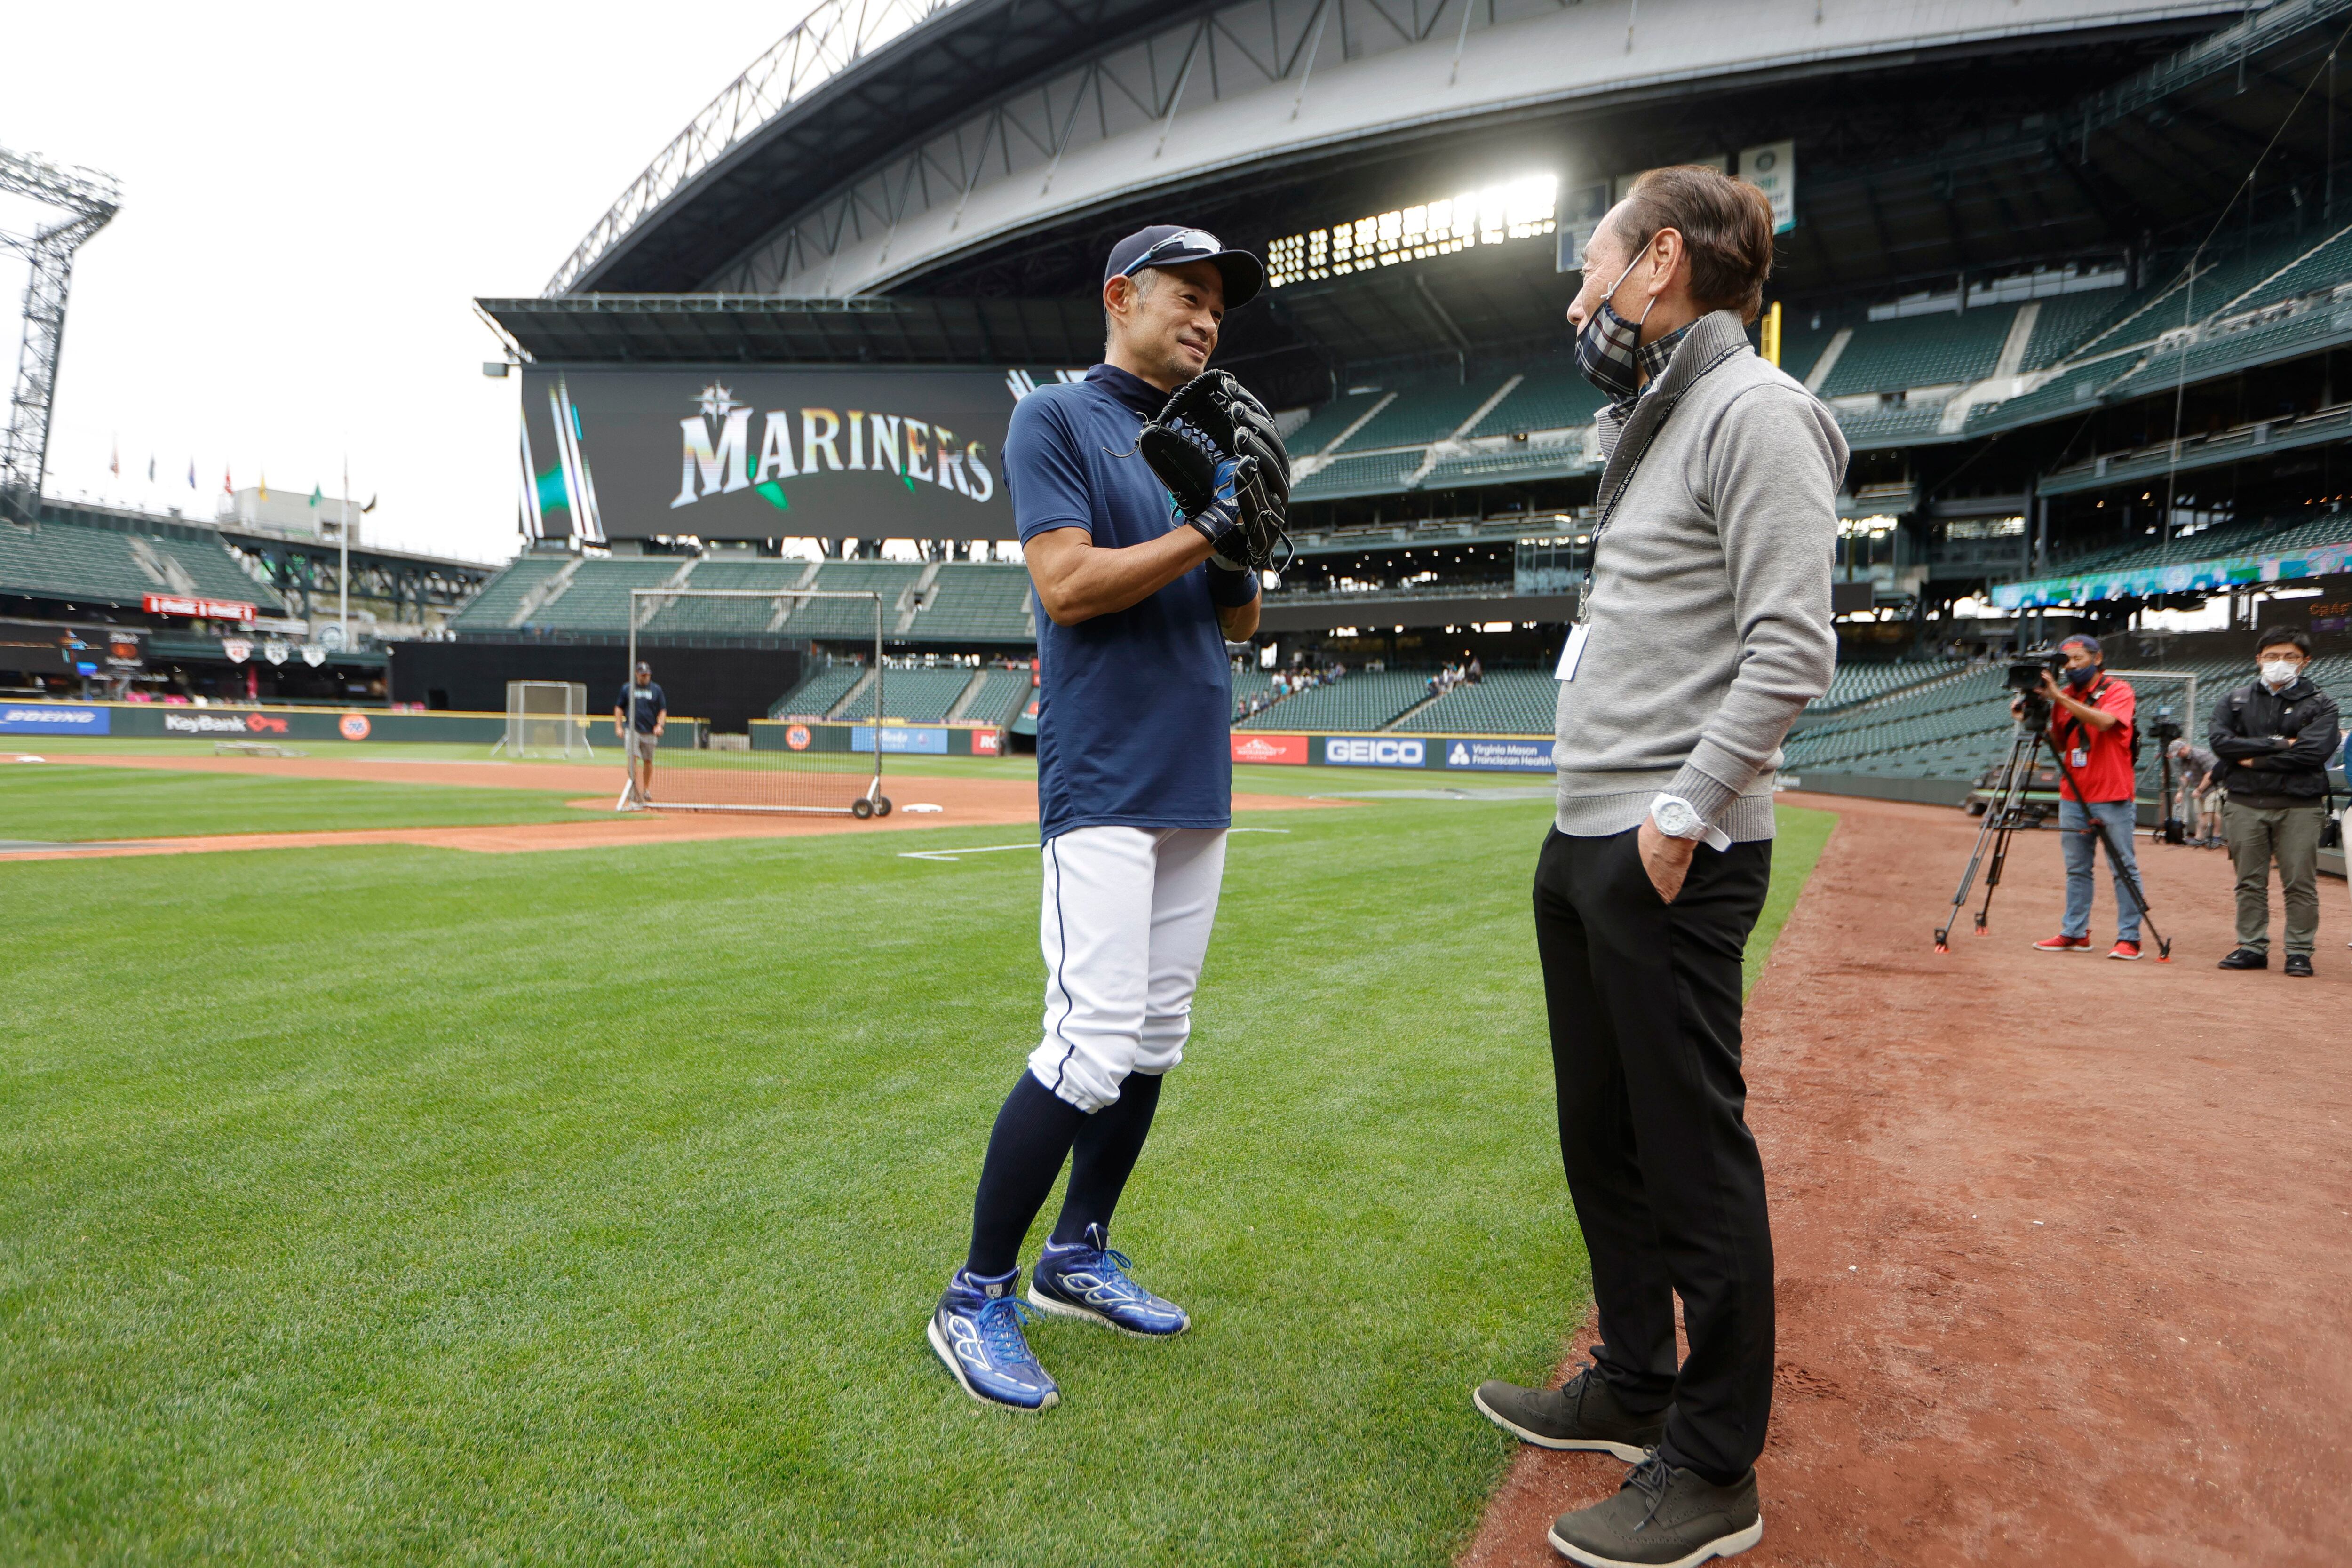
<point x="1612" y="354"/>
<point x="1608" y="351"/>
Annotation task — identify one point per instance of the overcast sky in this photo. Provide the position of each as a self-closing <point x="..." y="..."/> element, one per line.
<point x="311" y="198"/>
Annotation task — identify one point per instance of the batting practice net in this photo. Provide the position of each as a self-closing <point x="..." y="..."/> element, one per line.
<point x="546" y="719"/>
<point x="811" y="779"/>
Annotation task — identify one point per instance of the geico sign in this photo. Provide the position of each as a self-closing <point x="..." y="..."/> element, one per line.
<point x="1374" y="752"/>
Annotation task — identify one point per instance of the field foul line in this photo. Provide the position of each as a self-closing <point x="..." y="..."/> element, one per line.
<point x="953" y="855"/>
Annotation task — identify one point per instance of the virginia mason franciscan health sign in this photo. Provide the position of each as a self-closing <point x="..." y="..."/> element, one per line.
<point x="617" y="452"/>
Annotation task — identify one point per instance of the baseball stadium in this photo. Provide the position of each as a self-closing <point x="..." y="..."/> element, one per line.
<point x="453" y="1113"/>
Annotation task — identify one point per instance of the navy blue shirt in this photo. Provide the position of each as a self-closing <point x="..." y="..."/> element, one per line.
<point x="649" y="708"/>
<point x="1135" y="708"/>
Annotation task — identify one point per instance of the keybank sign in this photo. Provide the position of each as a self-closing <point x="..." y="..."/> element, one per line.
<point x="1374" y="752"/>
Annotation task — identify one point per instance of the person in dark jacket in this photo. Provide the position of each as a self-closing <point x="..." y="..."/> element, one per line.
<point x="2274" y="738"/>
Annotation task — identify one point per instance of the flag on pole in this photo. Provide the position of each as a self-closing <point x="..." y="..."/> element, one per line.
<point x="114" y="463"/>
<point x="370" y="505"/>
<point x="192" y="473"/>
<point x="314" y="497"/>
<point x="226" y="489"/>
<point x="264" y="484"/>
<point x="151" y="467"/>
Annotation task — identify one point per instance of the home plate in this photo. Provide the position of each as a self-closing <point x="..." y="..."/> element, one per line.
<point x="922" y="806"/>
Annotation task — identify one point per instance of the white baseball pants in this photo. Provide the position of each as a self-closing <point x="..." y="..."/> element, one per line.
<point x="1126" y="917"/>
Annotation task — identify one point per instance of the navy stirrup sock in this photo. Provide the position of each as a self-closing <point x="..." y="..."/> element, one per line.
<point x="1104" y="1157"/>
<point x="1033" y="1136"/>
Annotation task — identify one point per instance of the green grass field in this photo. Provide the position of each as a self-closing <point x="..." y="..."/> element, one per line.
<point x="57" y="802"/>
<point x="387" y="1204"/>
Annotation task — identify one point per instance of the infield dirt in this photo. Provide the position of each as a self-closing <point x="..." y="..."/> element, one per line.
<point x="2064" y="1245"/>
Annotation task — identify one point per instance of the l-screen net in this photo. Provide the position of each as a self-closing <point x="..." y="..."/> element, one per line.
<point x="812" y="777"/>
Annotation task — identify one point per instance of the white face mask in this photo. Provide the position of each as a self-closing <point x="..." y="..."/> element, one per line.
<point x="2279" y="671"/>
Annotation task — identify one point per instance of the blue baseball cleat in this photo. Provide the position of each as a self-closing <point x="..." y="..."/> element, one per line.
<point x="976" y="1329"/>
<point x="1091" y="1281"/>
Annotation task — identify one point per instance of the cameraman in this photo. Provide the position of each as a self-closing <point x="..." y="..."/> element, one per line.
<point x="2090" y="730"/>
<point x="2274" y="736"/>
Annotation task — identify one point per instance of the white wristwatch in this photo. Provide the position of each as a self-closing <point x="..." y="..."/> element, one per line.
<point x="1678" y="818"/>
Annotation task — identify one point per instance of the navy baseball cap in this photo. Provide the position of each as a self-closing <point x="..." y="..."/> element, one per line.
<point x="1173" y="243"/>
<point x="2087" y="643"/>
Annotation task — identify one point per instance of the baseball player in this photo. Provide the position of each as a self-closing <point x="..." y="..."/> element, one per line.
<point x="1137" y="599"/>
<point x="639" y="714"/>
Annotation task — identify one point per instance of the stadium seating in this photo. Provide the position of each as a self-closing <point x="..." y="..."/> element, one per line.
<point x="1000" y="700"/>
<point x="917" y="695"/>
<point x="818" y="694"/>
<point x="977" y="602"/>
<point x="1506" y="702"/>
<point x="733" y="618"/>
<point x="1890" y="422"/>
<point x="1383" y="473"/>
<point x="1326" y="425"/>
<point x="1857" y="681"/>
<point x="596" y="599"/>
<point x="1514" y="462"/>
<point x="2066" y="322"/>
<point x="1423" y="411"/>
<point x="1250" y="683"/>
<point x="1919" y="350"/>
<point x="1361" y="700"/>
<point x="1553" y="395"/>
<point x="2255" y="536"/>
<point x="87" y="565"/>
<point x="494" y="608"/>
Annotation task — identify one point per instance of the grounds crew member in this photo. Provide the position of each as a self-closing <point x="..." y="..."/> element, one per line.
<point x="1704" y="630"/>
<point x="2091" y="718"/>
<point x="640" y="713"/>
<point x="2275" y="737"/>
<point x="2196" y="780"/>
<point x="1134" y="798"/>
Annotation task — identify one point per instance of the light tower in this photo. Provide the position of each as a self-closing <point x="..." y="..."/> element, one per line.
<point x="88" y="200"/>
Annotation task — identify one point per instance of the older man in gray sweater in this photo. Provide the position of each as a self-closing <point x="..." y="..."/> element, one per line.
<point x="1704" y="629"/>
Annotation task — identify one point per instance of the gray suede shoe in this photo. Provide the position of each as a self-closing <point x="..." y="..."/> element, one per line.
<point x="1662" y="1517"/>
<point x="1583" y="1415"/>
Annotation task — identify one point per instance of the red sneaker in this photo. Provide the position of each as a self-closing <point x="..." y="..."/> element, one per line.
<point x="2125" y="950"/>
<point x="2063" y="944"/>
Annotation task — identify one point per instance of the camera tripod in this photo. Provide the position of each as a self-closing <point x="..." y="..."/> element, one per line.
<point x="2001" y="817"/>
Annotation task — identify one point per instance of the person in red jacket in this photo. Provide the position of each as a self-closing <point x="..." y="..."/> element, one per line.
<point x="2091" y="718"/>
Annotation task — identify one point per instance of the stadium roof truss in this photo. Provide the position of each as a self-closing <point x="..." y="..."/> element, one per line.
<point x="88" y="201"/>
<point x="762" y="329"/>
<point x="900" y="157"/>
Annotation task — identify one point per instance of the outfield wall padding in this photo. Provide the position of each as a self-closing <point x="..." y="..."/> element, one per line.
<point x="897" y="740"/>
<point x="262" y="721"/>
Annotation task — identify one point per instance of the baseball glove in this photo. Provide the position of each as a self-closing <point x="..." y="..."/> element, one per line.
<point x="1216" y="449"/>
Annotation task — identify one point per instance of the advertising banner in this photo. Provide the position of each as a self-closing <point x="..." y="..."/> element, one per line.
<point x="210" y="609"/>
<point x="2195" y="576"/>
<point x="1772" y="169"/>
<point x="32" y="647"/>
<point x="1374" y="752"/>
<point x="44" y="719"/>
<point x="1509" y="756"/>
<point x="925" y="740"/>
<point x="1252" y="748"/>
<point x="619" y="452"/>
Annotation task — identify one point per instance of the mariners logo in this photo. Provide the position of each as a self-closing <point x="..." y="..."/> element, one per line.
<point x="716" y="456"/>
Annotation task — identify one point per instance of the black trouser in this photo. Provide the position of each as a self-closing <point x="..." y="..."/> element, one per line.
<point x="1645" y="1005"/>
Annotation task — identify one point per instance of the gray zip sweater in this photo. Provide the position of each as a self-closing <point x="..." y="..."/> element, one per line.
<point x="1709" y="607"/>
